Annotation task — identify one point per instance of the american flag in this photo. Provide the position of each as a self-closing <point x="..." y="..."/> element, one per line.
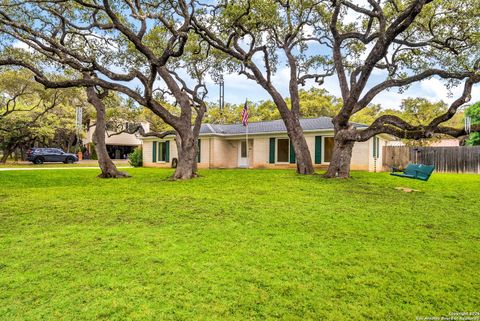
<point x="245" y="115"/>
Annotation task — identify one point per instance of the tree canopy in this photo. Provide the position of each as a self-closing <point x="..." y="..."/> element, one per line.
<point x="33" y="115"/>
<point x="143" y="50"/>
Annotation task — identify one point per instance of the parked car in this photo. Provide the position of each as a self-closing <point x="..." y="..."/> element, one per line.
<point x="41" y="155"/>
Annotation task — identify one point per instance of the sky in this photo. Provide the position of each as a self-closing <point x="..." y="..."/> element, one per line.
<point x="238" y="88"/>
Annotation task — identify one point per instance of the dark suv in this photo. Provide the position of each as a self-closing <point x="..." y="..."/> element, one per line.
<point x="41" y="155"/>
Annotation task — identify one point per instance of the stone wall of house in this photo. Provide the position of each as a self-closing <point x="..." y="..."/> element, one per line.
<point x="147" y="148"/>
<point x="220" y="152"/>
<point x="224" y="153"/>
<point x="360" y="159"/>
<point x="122" y="139"/>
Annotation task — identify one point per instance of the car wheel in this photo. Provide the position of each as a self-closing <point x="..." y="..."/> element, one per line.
<point x="69" y="160"/>
<point x="38" y="160"/>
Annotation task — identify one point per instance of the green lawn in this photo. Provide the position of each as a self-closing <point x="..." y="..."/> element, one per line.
<point x="237" y="245"/>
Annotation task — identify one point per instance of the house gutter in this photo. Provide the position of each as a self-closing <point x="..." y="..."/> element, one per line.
<point x="388" y="137"/>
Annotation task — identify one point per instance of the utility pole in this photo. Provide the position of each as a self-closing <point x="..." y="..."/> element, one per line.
<point x="221" y="98"/>
<point x="78" y="122"/>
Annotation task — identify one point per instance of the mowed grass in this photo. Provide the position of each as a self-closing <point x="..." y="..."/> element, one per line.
<point x="85" y="163"/>
<point x="237" y="245"/>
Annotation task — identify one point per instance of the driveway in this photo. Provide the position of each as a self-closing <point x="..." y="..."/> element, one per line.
<point x="47" y="168"/>
<point x="83" y="164"/>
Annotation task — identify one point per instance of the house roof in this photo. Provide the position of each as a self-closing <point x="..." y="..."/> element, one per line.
<point x="272" y="126"/>
<point x="267" y="127"/>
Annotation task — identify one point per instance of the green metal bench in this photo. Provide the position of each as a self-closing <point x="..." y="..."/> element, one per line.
<point x="415" y="171"/>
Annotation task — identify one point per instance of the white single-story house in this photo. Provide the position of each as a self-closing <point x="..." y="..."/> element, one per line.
<point x="225" y="146"/>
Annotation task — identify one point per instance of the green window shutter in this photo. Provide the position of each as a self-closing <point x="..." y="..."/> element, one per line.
<point x="374" y="147"/>
<point x="318" y="149"/>
<point x="199" y="156"/>
<point x="271" y="158"/>
<point x="378" y="146"/>
<point x="167" y="151"/>
<point x="154" y="152"/>
<point x="292" y="154"/>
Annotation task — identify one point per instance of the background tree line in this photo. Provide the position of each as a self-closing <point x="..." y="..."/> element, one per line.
<point x="32" y="116"/>
<point x="28" y="121"/>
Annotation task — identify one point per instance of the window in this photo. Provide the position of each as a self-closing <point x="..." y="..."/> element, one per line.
<point x="283" y="145"/>
<point x="162" y="151"/>
<point x="328" y="149"/>
<point x="243" y="149"/>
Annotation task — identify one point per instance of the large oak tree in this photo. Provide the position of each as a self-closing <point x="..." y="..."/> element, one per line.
<point x="262" y="36"/>
<point x="139" y="49"/>
<point x="405" y="42"/>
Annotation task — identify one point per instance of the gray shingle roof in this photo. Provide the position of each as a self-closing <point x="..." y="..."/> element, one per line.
<point x="273" y="126"/>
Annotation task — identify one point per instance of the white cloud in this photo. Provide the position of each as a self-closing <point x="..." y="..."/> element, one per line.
<point x="238" y="88"/>
<point x="432" y="89"/>
<point x="435" y="89"/>
<point x="21" y="45"/>
<point x="332" y="86"/>
<point x="352" y="16"/>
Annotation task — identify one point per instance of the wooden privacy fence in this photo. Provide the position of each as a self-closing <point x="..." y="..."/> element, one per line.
<point x="461" y="159"/>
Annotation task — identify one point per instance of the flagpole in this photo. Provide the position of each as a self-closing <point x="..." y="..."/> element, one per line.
<point x="246" y="134"/>
<point x="245" y="123"/>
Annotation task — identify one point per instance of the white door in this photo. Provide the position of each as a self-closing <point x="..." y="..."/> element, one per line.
<point x="242" y="154"/>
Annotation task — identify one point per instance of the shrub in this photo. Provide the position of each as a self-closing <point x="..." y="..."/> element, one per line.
<point x="474" y="113"/>
<point x="93" y="152"/>
<point x="135" y="158"/>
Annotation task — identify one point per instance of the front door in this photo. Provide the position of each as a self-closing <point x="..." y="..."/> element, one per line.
<point x="242" y="154"/>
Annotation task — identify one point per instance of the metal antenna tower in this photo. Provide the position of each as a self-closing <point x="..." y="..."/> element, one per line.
<point x="221" y="98"/>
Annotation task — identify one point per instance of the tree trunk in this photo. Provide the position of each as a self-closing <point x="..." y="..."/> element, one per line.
<point x="187" y="158"/>
<point x="23" y="152"/>
<point x="299" y="143"/>
<point x="4" y="158"/>
<point x="290" y="118"/>
<point x="340" y="163"/>
<point x="6" y="153"/>
<point x="108" y="168"/>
